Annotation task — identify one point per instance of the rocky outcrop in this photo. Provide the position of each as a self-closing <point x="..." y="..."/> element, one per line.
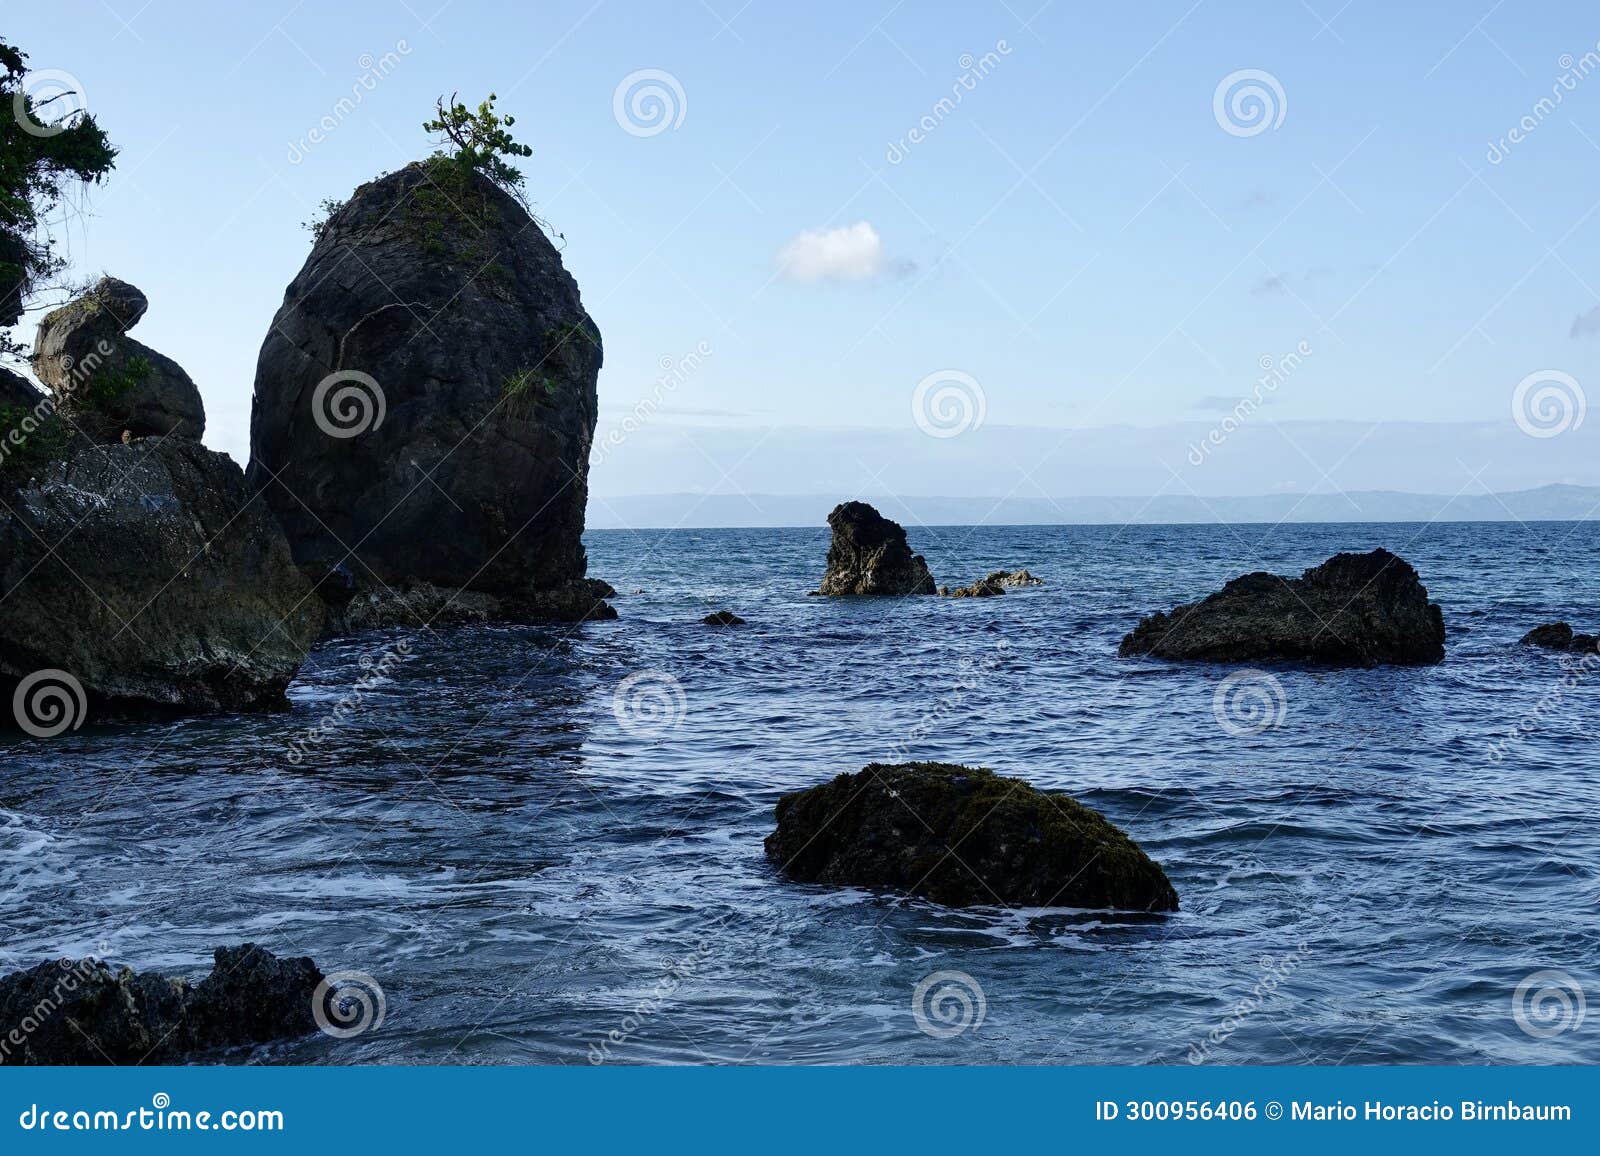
<point x="1014" y="578"/>
<point x="425" y="401"/>
<point x="722" y="618"/>
<point x="1560" y="636"/>
<point x="107" y="385"/>
<point x="982" y="588"/>
<point x="411" y="605"/>
<point x="145" y="574"/>
<point x="1353" y="610"/>
<point x="869" y="555"/>
<point x="85" y="1012"/>
<point x="962" y="836"/>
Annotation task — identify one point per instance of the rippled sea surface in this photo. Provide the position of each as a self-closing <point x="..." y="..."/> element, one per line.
<point x="1367" y="881"/>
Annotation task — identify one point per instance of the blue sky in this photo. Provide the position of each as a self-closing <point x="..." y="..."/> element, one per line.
<point x="1080" y="236"/>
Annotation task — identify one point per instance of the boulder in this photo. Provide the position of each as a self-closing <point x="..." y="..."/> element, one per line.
<point x="982" y="588"/>
<point x="146" y="574"/>
<point x="104" y="382"/>
<point x="1353" y="610"/>
<point x="425" y="401"/>
<point x="869" y="555"/>
<point x="1014" y="578"/>
<point x="1559" y="636"/>
<point x="86" y="1012"/>
<point x="962" y="836"/>
<point x="351" y="611"/>
<point x="722" y="618"/>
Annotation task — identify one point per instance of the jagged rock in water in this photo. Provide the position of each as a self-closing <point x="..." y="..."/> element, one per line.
<point x="982" y="588"/>
<point x="86" y="1012"/>
<point x="1353" y="610"/>
<point x="1013" y="578"/>
<point x="895" y="826"/>
<point x="104" y="382"/>
<point x="869" y="555"/>
<point x="1560" y="636"/>
<point x="145" y="573"/>
<point x="722" y="618"/>
<point x="425" y="401"/>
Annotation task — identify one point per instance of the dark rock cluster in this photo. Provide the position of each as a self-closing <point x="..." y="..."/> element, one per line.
<point x="1353" y="610"/>
<point x="86" y="1012"/>
<point x="1560" y="636"/>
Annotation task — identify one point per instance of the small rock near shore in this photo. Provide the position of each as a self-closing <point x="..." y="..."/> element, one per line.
<point x="897" y="826"/>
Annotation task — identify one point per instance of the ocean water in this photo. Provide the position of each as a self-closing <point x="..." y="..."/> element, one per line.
<point x="540" y="840"/>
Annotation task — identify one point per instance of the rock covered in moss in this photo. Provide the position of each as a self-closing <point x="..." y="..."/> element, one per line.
<point x="1353" y="610"/>
<point x="869" y="555"/>
<point x="962" y="836"/>
<point x="425" y="398"/>
<point x="146" y="574"/>
<point x="105" y="383"/>
<point x="86" y="1012"/>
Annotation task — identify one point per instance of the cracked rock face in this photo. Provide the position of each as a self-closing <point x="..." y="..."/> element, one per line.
<point x="869" y="555"/>
<point x="425" y="398"/>
<point x="104" y="382"/>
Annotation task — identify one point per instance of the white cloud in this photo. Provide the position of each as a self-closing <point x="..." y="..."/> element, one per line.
<point x="849" y="253"/>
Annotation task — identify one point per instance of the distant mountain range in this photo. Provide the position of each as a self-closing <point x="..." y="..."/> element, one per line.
<point x="1555" y="503"/>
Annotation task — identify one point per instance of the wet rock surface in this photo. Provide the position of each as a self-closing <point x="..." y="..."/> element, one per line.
<point x="1560" y="636"/>
<point x="962" y="836"/>
<point x="1358" y="610"/>
<point x="869" y="555"/>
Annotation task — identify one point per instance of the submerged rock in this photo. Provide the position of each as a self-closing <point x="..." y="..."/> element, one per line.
<point x="1559" y="636"/>
<point x="983" y="588"/>
<point x="145" y="574"/>
<point x="869" y="555"/>
<point x="425" y="399"/>
<point x="1353" y="610"/>
<point x="86" y="1012"/>
<point x="1014" y="578"/>
<point x="962" y="836"/>
<point x="106" y="384"/>
<point x="722" y="618"/>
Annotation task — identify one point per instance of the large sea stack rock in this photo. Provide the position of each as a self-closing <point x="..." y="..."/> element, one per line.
<point x="869" y="555"/>
<point x="1353" y="610"/>
<point x="425" y="403"/>
<point x="85" y="1012"/>
<point x="146" y="574"/>
<point x="962" y="836"/>
<point x="105" y="383"/>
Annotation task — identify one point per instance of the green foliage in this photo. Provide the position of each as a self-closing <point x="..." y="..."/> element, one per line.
<point x="478" y="141"/>
<point x="29" y="442"/>
<point x="110" y="386"/>
<point x="327" y="209"/>
<point x="525" y="388"/>
<point x="40" y="159"/>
